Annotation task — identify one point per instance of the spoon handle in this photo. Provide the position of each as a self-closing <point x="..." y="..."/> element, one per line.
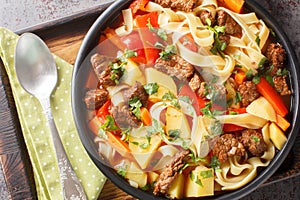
<point x="72" y="189"/>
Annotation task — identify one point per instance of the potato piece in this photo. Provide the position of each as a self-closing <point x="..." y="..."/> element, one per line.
<point x="200" y="182"/>
<point x="262" y="108"/>
<point x="177" y="120"/>
<point x="152" y="177"/>
<point x="176" y="188"/>
<point x="132" y="74"/>
<point x="154" y="76"/>
<point x="277" y="136"/>
<point x="158" y="96"/>
<point x="134" y="173"/>
<point x="143" y="152"/>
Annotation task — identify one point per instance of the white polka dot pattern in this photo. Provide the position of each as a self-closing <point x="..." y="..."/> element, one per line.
<point x="36" y="131"/>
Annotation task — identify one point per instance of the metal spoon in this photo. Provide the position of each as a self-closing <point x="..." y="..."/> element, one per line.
<point x="36" y="71"/>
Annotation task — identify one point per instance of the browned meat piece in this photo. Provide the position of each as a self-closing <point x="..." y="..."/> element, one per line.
<point x="137" y="90"/>
<point x="183" y="5"/>
<point x="224" y="38"/>
<point x="231" y="26"/>
<point x="204" y="14"/>
<point x="176" y="66"/>
<point x="276" y="56"/>
<point x="281" y="85"/>
<point x="170" y="172"/>
<point x="108" y="77"/>
<point x="248" y="92"/>
<point x="95" y="98"/>
<point x="195" y="82"/>
<point x="227" y="146"/>
<point x="253" y="141"/>
<point x="100" y="62"/>
<point x="124" y="118"/>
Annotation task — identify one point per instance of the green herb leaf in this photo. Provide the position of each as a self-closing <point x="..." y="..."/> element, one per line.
<point x="155" y="128"/>
<point x="257" y="40"/>
<point x="255" y="138"/>
<point x="135" y="106"/>
<point x="174" y="133"/>
<point x="282" y="72"/>
<point x="256" y="79"/>
<point x="215" y="163"/>
<point x="122" y="170"/>
<point x="109" y="124"/>
<point x="151" y="88"/>
<point x="238" y="97"/>
<point x="167" y="52"/>
<point x="169" y="96"/>
<point x="206" y="174"/>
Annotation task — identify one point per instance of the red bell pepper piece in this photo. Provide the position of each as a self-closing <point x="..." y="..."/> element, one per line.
<point x="149" y="38"/>
<point x="103" y="111"/>
<point x="134" y="42"/>
<point x="232" y="127"/>
<point x="266" y="90"/>
<point x="137" y="5"/>
<point x="187" y="91"/>
<point x="188" y="41"/>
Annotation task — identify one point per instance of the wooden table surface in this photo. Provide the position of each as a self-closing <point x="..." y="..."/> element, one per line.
<point x="63" y="40"/>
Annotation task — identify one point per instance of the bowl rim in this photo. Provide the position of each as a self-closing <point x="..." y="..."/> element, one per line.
<point x="89" y="43"/>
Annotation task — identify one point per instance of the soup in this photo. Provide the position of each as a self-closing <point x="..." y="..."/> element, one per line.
<point x="188" y="100"/>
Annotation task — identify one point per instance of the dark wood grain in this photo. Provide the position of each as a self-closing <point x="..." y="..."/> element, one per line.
<point x="64" y="39"/>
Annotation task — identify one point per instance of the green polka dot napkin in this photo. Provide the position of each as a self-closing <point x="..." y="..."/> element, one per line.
<point x="37" y="134"/>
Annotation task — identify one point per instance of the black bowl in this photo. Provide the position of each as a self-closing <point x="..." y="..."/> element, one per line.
<point x="82" y="69"/>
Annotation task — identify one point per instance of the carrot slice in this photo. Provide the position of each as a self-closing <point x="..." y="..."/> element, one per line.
<point x="240" y="77"/>
<point x="117" y="143"/>
<point x="266" y="90"/>
<point x="282" y="122"/>
<point x="234" y="5"/>
<point x="145" y="116"/>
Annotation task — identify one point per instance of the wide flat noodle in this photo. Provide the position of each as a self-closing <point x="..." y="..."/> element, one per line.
<point x="234" y="174"/>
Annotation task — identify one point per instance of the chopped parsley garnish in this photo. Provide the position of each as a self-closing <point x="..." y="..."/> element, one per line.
<point x="238" y="97"/>
<point x="174" y="134"/>
<point x="167" y="51"/>
<point x="256" y="79"/>
<point x="155" y="128"/>
<point x="255" y="138"/>
<point x="122" y="170"/>
<point x="257" y="40"/>
<point x="218" y="46"/>
<point x="125" y="134"/>
<point x="282" y="72"/>
<point x="151" y="88"/>
<point x="262" y="62"/>
<point x="135" y="106"/>
<point x="160" y="32"/>
<point x="142" y="145"/>
<point x="195" y="179"/>
<point x="215" y="163"/>
<point x="169" y="96"/>
<point x="206" y="174"/>
<point x="233" y="113"/>
<point x="108" y="125"/>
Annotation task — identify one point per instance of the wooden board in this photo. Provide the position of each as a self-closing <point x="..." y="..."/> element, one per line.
<point x="64" y="39"/>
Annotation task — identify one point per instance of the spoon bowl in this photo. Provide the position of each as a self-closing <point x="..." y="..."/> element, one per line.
<point x="37" y="74"/>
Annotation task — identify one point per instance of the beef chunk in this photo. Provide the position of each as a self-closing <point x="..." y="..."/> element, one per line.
<point x="137" y="90"/>
<point x="231" y="26"/>
<point x="175" y="66"/>
<point x="182" y="5"/>
<point x="170" y="172"/>
<point x="248" y="92"/>
<point x="276" y="55"/>
<point x="108" y="77"/>
<point x="205" y="14"/>
<point x="124" y="118"/>
<point x="227" y="146"/>
<point x="100" y="62"/>
<point x="195" y="82"/>
<point x="253" y="141"/>
<point x="281" y="85"/>
<point x="95" y="98"/>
